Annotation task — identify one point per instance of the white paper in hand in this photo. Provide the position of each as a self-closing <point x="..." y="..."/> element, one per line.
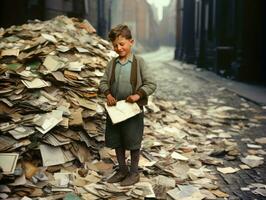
<point x="122" y="111"/>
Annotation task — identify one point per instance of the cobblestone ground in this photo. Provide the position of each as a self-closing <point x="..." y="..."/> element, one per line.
<point x="177" y="83"/>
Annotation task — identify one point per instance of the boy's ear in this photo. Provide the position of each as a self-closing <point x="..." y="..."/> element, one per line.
<point x="132" y="41"/>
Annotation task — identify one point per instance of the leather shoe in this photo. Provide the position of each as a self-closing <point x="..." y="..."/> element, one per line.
<point x="131" y="179"/>
<point x="117" y="177"/>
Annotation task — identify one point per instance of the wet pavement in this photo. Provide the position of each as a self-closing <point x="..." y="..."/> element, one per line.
<point x="178" y="81"/>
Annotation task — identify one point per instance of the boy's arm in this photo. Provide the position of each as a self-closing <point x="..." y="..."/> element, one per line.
<point x="148" y="83"/>
<point x="104" y="85"/>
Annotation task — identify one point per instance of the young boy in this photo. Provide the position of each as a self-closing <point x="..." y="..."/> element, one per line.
<point x="126" y="78"/>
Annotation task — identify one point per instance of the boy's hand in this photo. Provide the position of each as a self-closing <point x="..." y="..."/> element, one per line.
<point x="133" y="98"/>
<point x="111" y="101"/>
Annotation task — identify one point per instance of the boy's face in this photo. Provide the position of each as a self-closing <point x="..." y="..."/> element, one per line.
<point x="122" y="46"/>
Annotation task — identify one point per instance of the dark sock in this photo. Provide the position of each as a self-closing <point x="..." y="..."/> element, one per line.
<point x="134" y="160"/>
<point x="121" y="158"/>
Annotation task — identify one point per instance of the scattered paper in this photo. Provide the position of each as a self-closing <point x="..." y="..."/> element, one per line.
<point x="49" y="120"/>
<point x="178" y="156"/>
<point x="219" y="193"/>
<point x="53" y="63"/>
<point x="36" y="83"/>
<point x="165" y="181"/>
<point x="62" y="48"/>
<point x="54" y="155"/>
<point x="261" y="140"/>
<point x="254" y="146"/>
<point x="82" y="50"/>
<point x="252" y="161"/>
<point x="21" y="132"/>
<point x="186" y="192"/>
<point x="10" y="52"/>
<point x="227" y="170"/>
<point x="75" y="66"/>
<point x="62" y="179"/>
<point x="48" y="37"/>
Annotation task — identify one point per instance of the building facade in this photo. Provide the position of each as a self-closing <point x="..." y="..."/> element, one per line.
<point x="225" y="36"/>
<point x="167" y="25"/>
<point x="138" y="15"/>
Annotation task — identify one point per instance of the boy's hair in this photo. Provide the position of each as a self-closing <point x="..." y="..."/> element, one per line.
<point x="120" y="30"/>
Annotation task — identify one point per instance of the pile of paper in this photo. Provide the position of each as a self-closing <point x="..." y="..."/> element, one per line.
<point x="50" y="113"/>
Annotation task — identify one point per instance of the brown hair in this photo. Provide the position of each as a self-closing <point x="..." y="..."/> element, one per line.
<point x="120" y="30"/>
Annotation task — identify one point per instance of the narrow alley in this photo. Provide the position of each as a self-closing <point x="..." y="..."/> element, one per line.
<point x="193" y="92"/>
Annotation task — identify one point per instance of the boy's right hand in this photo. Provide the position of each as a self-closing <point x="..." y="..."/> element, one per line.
<point x="111" y="101"/>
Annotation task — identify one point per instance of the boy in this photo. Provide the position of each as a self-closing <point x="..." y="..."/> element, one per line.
<point x="126" y="78"/>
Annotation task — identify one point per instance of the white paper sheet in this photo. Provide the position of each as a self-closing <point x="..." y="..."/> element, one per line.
<point x="54" y="155"/>
<point x="36" y="83"/>
<point x="8" y="162"/>
<point x="122" y="111"/>
<point x="49" y="121"/>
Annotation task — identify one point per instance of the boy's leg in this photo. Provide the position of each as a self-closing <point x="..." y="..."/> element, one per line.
<point x="123" y="170"/>
<point x="121" y="158"/>
<point x="134" y="161"/>
<point x="133" y="176"/>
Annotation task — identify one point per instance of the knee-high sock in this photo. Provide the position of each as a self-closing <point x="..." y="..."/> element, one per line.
<point x="121" y="158"/>
<point x="134" y="160"/>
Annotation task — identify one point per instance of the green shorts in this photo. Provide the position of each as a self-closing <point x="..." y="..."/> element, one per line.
<point x="127" y="134"/>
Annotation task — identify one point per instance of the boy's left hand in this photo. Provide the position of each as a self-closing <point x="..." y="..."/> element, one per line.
<point x="133" y="98"/>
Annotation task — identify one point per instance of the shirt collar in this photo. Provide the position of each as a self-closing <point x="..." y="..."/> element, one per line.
<point x="130" y="59"/>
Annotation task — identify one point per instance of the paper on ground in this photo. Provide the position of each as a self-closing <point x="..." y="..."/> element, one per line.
<point x="36" y="83"/>
<point x="54" y="155"/>
<point x="62" y="179"/>
<point x="227" y="170"/>
<point x="21" y="132"/>
<point x="145" y="188"/>
<point x="261" y="140"/>
<point x="62" y="48"/>
<point x="186" y="192"/>
<point x="10" y="52"/>
<point x="52" y="63"/>
<point x="49" y="120"/>
<point x="178" y="156"/>
<point x="82" y="50"/>
<point x="48" y="37"/>
<point x="122" y="111"/>
<point x="8" y="162"/>
<point x="252" y="160"/>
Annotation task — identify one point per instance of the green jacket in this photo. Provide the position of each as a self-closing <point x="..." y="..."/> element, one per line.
<point x="141" y="79"/>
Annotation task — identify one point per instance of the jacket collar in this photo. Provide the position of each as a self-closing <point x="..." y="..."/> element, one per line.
<point x="133" y="74"/>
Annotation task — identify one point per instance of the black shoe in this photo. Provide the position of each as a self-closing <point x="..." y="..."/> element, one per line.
<point x="117" y="177"/>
